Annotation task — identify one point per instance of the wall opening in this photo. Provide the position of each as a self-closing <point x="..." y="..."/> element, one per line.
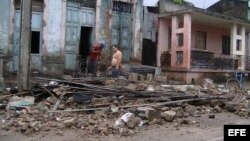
<point x="226" y="45"/>
<point x="179" y="57"/>
<point x="180" y="21"/>
<point x="35" y="42"/>
<point x="180" y="39"/>
<point x="85" y="42"/>
<point x="239" y="44"/>
<point x="239" y="31"/>
<point x="148" y="52"/>
<point x="200" y="40"/>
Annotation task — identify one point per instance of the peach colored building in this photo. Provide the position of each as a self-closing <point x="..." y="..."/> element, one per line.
<point x="195" y="43"/>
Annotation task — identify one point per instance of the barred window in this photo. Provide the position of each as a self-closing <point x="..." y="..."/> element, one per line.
<point x="200" y="40"/>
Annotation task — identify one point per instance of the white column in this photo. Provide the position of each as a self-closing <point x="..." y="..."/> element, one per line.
<point x="242" y="38"/>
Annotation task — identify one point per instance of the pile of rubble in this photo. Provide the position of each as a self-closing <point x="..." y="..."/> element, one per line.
<point x="111" y="106"/>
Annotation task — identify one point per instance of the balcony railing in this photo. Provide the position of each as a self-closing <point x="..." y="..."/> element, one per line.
<point x="210" y="60"/>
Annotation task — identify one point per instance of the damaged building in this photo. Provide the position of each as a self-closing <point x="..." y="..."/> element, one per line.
<point x="195" y="43"/>
<point x="63" y="31"/>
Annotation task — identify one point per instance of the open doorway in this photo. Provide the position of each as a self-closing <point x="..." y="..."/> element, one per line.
<point x="84" y="46"/>
<point x="35" y="42"/>
<point x="148" y="53"/>
<point x="85" y="42"/>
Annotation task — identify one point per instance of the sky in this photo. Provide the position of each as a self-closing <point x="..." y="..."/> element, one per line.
<point x="197" y="3"/>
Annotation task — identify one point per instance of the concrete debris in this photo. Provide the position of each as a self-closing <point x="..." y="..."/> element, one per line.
<point x="147" y="113"/>
<point x="19" y="102"/>
<point x="217" y="109"/>
<point x="109" y="82"/>
<point x="150" y="88"/>
<point x="114" y="106"/>
<point x="168" y="115"/>
<point x="133" y="122"/>
<point x="208" y="84"/>
<point x="141" y="87"/>
<point x="163" y="109"/>
<point x="211" y="116"/>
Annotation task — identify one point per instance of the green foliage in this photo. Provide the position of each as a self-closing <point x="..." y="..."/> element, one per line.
<point x="179" y="1"/>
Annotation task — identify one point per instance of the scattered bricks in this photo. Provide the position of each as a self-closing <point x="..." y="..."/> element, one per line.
<point x="231" y="107"/>
<point x="61" y="107"/>
<point x="70" y="122"/>
<point x="109" y="82"/>
<point x="190" y="109"/>
<point x="141" y="87"/>
<point x="163" y="109"/>
<point x="217" y="109"/>
<point x="133" y="122"/>
<point x="147" y="113"/>
<point x="141" y="78"/>
<point x="133" y="76"/>
<point x="168" y="115"/>
<point x="149" y="77"/>
<point x="131" y="86"/>
<point x="179" y="112"/>
<point x="211" y="116"/>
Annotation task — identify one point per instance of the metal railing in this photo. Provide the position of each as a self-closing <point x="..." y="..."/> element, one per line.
<point x="210" y="60"/>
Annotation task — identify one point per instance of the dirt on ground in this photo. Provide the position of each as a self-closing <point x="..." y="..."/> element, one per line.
<point x="121" y="109"/>
<point x="193" y="128"/>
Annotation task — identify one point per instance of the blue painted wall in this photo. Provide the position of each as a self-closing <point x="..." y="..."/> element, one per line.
<point x="4" y="24"/>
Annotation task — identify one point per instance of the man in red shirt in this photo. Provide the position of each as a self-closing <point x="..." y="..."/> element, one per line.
<point x="94" y="55"/>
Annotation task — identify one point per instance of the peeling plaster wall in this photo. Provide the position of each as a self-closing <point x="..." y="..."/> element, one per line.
<point x="53" y="35"/>
<point x="137" y="32"/>
<point x="105" y="29"/>
<point x="54" y="27"/>
<point x="4" y="25"/>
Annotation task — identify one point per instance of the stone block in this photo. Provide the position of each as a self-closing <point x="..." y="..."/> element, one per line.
<point x="133" y="76"/>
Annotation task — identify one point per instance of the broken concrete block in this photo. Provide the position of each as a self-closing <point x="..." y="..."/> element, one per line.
<point x="133" y="76"/>
<point x="141" y="87"/>
<point x="147" y="113"/>
<point x="133" y="122"/>
<point x="238" y="99"/>
<point x="131" y="86"/>
<point x="165" y="109"/>
<point x="211" y="116"/>
<point x="208" y="83"/>
<point x="231" y="107"/>
<point x="150" y="88"/>
<point x="190" y="109"/>
<point x="20" y="102"/>
<point x="217" y="109"/>
<point x="150" y="77"/>
<point x="168" y="115"/>
<point x="141" y="78"/>
<point x="109" y="82"/>
<point x="70" y="122"/>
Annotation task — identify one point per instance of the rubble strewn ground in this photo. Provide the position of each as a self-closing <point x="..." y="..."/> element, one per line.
<point x="104" y="108"/>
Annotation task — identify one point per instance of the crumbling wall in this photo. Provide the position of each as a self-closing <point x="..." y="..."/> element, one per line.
<point x="167" y="6"/>
<point x="53" y="35"/>
<point x="4" y="25"/>
<point x="105" y="30"/>
<point x="138" y="26"/>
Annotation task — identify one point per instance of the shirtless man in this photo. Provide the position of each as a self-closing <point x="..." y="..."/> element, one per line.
<point x="116" y="61"/>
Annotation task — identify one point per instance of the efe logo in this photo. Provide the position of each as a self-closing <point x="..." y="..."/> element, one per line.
<point x="237" y="132"/>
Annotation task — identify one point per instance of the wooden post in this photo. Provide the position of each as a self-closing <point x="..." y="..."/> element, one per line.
<point x="25" y="43"/>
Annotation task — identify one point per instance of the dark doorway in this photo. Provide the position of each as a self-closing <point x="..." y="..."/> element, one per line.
<point x="148" y="52"/>
<point x="226" y="45"/>
<point x="85" y="42"/>
<point x="35" y="42"/>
